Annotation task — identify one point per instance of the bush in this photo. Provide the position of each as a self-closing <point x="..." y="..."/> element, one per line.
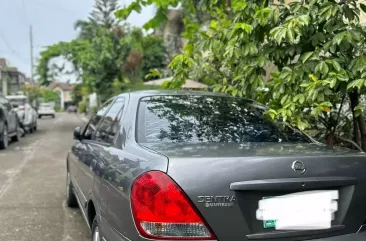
<point x="82" y="107"/>
<point x="94" y="109"/>
<point x="58" y="108"/>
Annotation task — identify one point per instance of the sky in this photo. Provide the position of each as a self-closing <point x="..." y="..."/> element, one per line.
<point x="52" y="21"/>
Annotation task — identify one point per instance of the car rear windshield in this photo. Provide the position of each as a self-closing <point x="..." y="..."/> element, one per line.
<point x="17" y="102"/>
<point x="193" y="119"/>
<point x="46" y="105"/>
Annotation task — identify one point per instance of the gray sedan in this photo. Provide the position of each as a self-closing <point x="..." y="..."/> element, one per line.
<point x="176" y="165"/>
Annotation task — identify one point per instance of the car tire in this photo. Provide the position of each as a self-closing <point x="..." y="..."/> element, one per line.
<point x="4" y="139"/>
<point x="39" y="116"/>
<point x="70" y="195"/>
<point x="16" y="138"/>
<point x="53" y="116"/>
<point x="35" y="127"/>
<point x="95" y="230"/>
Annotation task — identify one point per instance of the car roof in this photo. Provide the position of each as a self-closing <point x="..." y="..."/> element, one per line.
<point x="143" y="93"/>
<point x="16" y="97"/>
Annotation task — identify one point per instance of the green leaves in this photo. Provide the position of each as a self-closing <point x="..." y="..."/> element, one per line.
<point x="306" y="56"/>
<point x="358" y="110"/>
<point x="363" y="7"/>
<point x="357" y="83"/>
<point x="339" y="37"/>
<point x="299" y="98"/>
<point x="243" y="26"/>
<point x="322" y="68"/>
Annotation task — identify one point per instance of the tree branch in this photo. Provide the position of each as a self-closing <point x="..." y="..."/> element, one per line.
<point x="339" y="112"/>
<point x="351" y="142"/>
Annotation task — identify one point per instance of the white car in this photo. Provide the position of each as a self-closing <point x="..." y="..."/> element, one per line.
<point x="26" y="113"/>
<point x="46" y="109"/>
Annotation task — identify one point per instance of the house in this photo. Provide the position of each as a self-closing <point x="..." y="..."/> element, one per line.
<point x="189" y="84"/>
<point x="11" y="79"/>
<point x="65" y="90"/>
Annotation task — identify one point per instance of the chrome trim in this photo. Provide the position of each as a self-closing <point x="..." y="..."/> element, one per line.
<point x="83" y="212"/>
<point x="362" y="229"/>
<point x="75" y="184"/>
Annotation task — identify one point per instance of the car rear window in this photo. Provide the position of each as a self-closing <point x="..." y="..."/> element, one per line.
<point x="17" y="102"/>
<point x="193" y="119"/>
<point x="45" y="105"/>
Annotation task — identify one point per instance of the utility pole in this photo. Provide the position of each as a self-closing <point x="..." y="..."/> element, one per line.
<point x="31" y="51"/>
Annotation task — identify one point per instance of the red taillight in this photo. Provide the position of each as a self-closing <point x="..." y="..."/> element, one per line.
<point x="21" y="107"/>
<point x="163" y="211"/>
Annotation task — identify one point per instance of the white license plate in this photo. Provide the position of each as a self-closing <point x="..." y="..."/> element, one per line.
<point x="299" y="211"/>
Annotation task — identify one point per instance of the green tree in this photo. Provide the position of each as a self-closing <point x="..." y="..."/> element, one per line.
<point x="77" y="94"/>
<point x="49" y="95"/>
<point x="318" y="47"/>
<point x="102" y="16"/>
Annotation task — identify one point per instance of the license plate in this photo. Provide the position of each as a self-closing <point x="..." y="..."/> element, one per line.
<point x="308" y="210"/>
<point x="269" y="223"/>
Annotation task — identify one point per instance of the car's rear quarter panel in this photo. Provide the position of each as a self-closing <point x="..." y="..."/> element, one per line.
<point x="121" y="165"/>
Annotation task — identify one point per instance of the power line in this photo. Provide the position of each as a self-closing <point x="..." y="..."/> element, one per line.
<point x="15" y="53"/>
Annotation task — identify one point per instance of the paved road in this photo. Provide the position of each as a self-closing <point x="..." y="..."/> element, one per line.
<point x="32" y="185"/>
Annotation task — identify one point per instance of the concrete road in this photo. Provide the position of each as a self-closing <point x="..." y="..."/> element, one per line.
<point x="32" y="185"/>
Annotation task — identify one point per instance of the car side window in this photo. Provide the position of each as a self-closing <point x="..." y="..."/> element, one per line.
<point x="90" y="129"/>
<point x="109" y="126"/>
<point x="7" y="104"/>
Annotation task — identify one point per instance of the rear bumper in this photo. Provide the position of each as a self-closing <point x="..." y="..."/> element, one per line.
<point x="46" y="113"/>
<point x="348" y="237"/>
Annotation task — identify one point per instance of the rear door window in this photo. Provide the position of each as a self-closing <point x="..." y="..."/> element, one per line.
<point x="196" y="119"/>
<point x="110" y="124"/>
<point x="91" y="128"/>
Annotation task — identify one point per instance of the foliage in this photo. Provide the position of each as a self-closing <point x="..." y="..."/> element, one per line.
<point x="106" y="56"/>
<point x="77" y="93"/>
<point x="154" y="54"/>
<point x="49" y="95"/>
<point x="102" y="16"/>
<point x="33" y="92"/>
<point x="318" y="47"/>
<point x="58" y="108"/>
<point x="82" y="106"/>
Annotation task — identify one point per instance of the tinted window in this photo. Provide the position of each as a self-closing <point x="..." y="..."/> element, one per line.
<point x="109" y="126"/>
<point x="91" y="128"/>
<point x="209" y="119"/>
<point x="5" y="103"/>
<point x="17" y="102"/>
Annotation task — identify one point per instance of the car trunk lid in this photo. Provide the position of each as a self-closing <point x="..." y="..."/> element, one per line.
<point x="226" y="182"/>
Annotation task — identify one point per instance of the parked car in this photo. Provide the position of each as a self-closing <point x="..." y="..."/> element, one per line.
<point x="72" y="109"/>
<point x="9" y="123"/>
<point x="27" y="114"/>
<point x="46" y="109"/>
<point x="176" y="165"/>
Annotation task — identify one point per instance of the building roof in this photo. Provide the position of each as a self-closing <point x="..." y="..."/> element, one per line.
<point x="190" y="84"/>
<point x="61" y="85"/>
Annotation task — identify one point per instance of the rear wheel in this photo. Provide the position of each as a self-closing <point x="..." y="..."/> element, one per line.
<point x="95" y="230"/>
<point x="39" y="116"/>
<point x="70" y="195"/>
<point x="53" y="116"/>
<point x="16" y="138"/>
<point x="4" y="138"/>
